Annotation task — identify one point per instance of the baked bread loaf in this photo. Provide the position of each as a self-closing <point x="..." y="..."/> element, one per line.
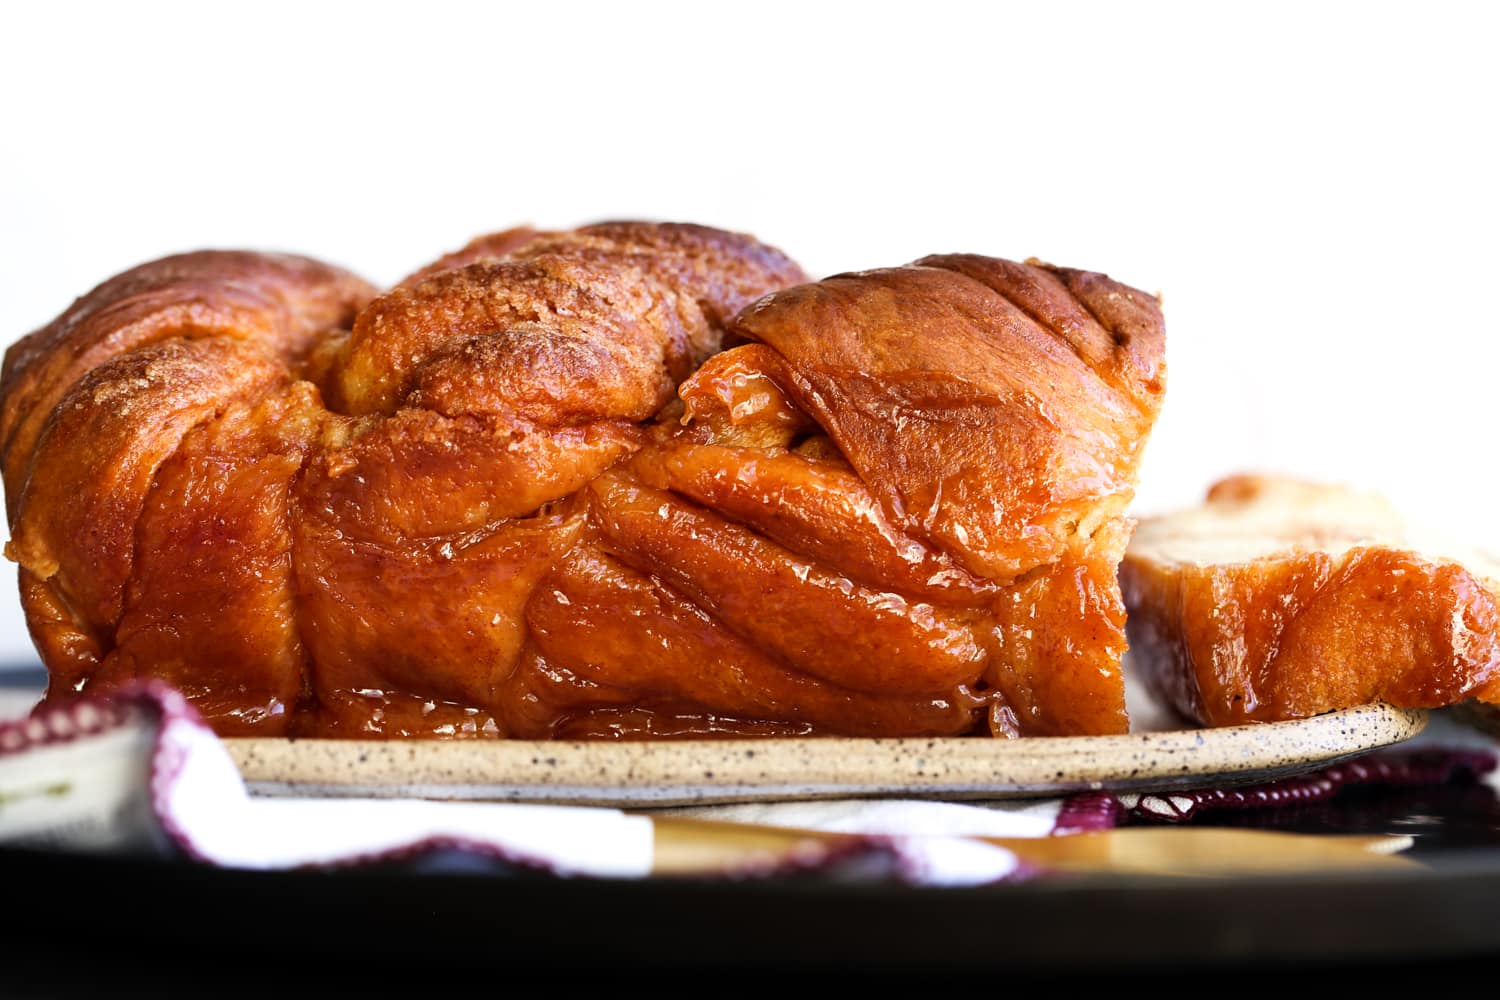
<point x="527" y="493"/>
<point x="1280" y="599"/>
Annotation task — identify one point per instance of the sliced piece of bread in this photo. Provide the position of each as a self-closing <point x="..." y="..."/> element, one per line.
<point x="1281" y="599"/>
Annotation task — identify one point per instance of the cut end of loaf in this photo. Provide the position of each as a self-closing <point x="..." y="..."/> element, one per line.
<point x="1281" y="598"/>
<point x="1249" y="518"/>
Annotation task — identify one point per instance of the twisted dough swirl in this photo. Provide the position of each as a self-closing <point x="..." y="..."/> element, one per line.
<point x="525" y="493"/>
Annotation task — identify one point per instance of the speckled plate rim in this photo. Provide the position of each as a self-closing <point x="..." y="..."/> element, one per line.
<point x="695" y="772"/>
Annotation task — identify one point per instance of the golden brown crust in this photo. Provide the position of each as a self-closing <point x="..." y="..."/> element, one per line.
<point x="279" y="302"/>
<point x="211" y="603"/>
<point x="520" y="494"/>
<point x="1319" y="622"/>
<point x="1029" y="426"/>
<point x="995" y="411"/>
<point x="558" y="340"/>
<point x="491" y="246"/>
<point x="95" y="403"/>
<point x="1059" y="641"/>
<point x="587" y="624"/>
<point x="97" y="457"/>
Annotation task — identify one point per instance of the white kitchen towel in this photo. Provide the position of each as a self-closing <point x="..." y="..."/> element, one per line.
<point x="142" y="772"/>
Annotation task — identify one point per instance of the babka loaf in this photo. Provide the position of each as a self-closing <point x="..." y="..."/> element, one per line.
<point x="1281" y="598"/>
<point x="528" y="493"/>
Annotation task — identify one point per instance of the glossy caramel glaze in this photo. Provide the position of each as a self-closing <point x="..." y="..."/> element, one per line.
<point x="1336" y="610"/>
<point x="527" y="493"/>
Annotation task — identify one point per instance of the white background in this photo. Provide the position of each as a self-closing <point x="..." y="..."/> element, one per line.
<point x="1312" y="187"/>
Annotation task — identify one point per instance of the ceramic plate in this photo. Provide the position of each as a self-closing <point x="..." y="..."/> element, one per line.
<point x="687" y="772"/>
